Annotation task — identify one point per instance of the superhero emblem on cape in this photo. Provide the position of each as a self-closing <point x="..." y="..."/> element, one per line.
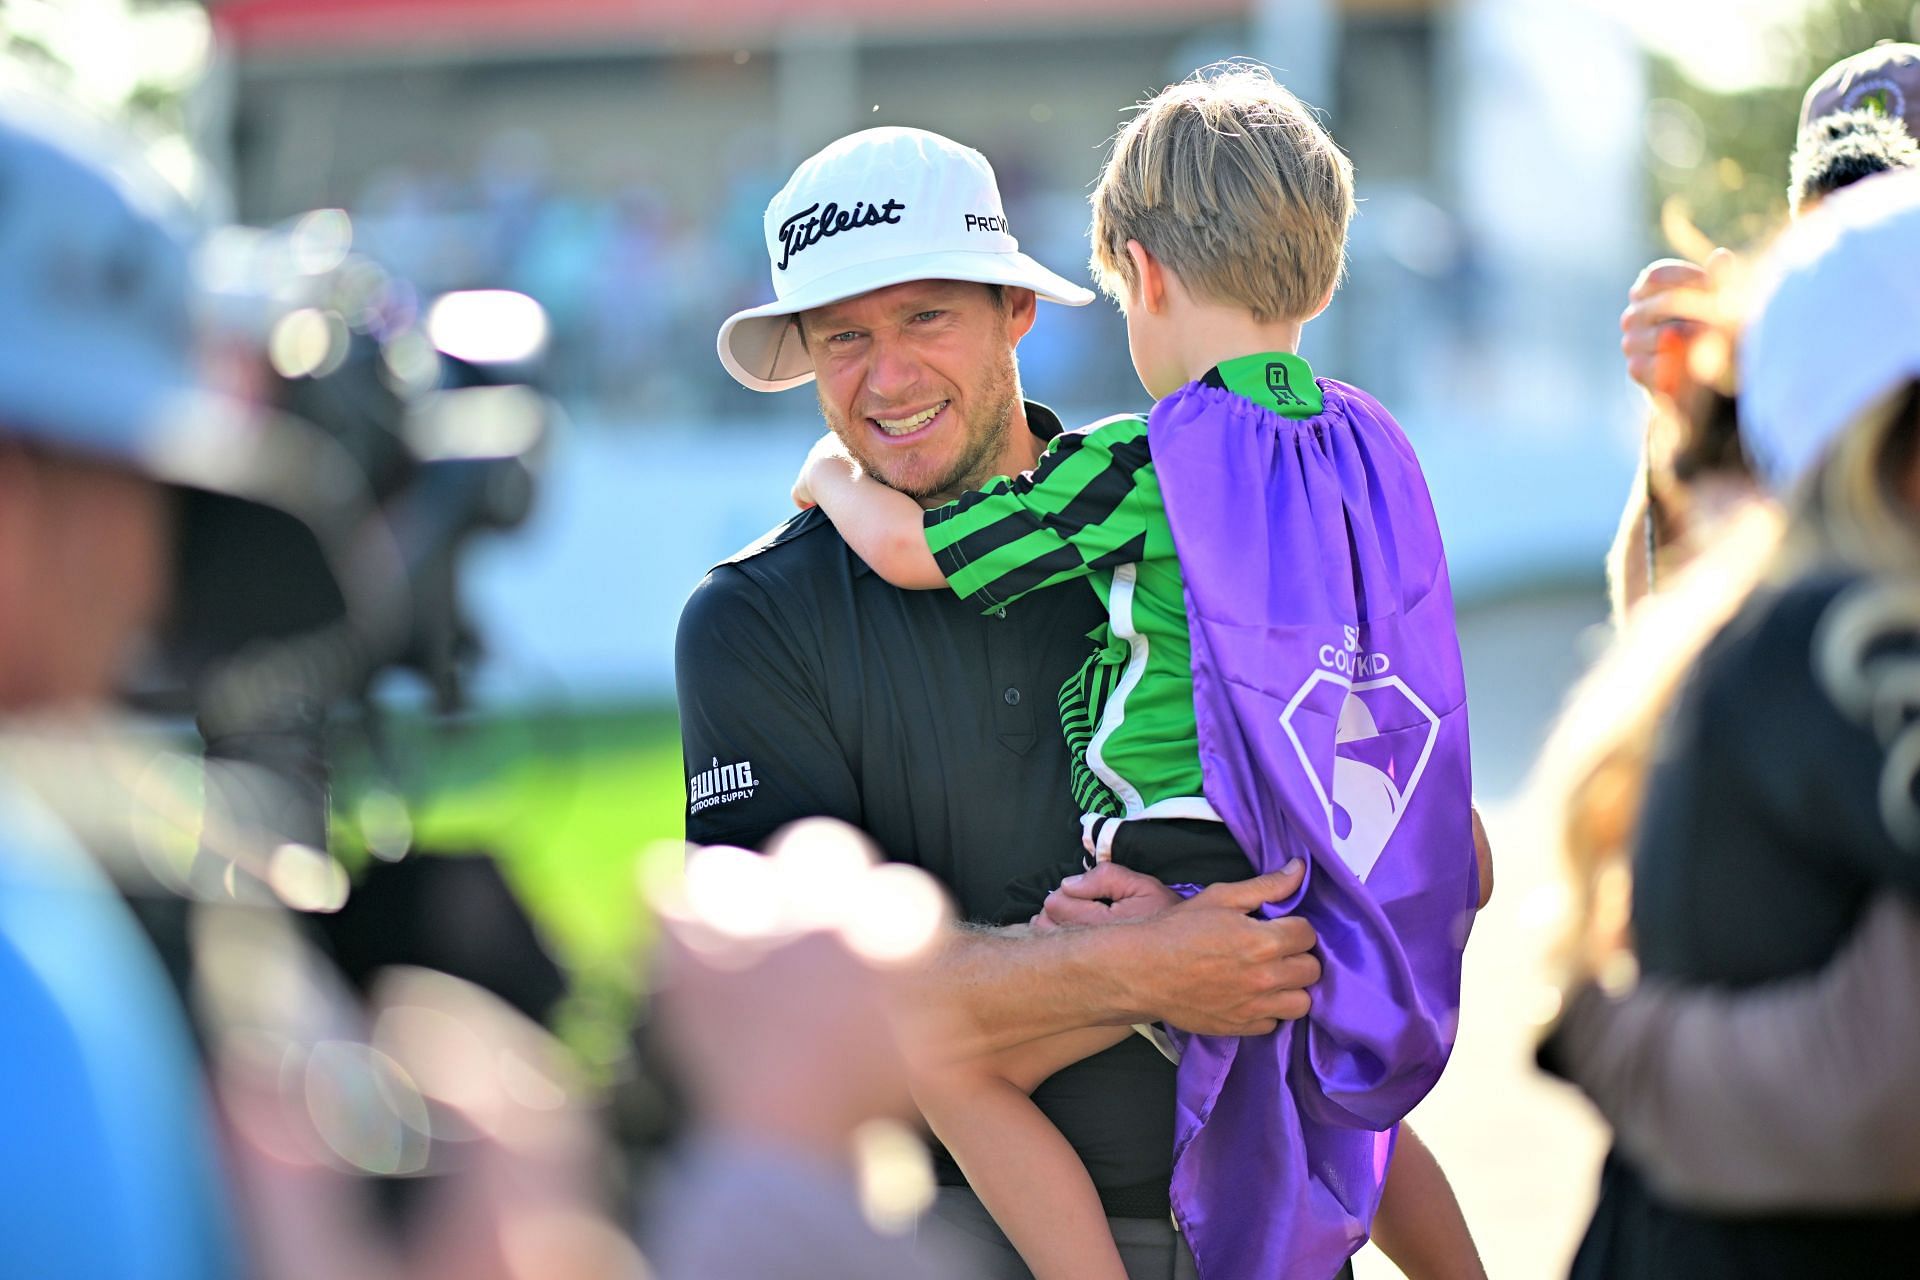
<point x="1383" y="737"/>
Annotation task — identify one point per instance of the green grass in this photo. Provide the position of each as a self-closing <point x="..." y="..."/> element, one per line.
<point x="569" y="803"/>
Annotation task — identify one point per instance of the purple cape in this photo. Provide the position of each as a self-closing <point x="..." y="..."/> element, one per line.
<point x="1332" y="721"/>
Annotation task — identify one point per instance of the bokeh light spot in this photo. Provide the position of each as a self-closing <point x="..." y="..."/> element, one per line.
<point x="306" y="879"/>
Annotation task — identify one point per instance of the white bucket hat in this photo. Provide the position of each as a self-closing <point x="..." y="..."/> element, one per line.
<point x="1833" y="324"/>
<point x="877" y="208"/>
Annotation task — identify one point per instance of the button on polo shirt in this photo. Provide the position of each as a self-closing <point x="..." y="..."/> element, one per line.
<point x="808" y="685"/>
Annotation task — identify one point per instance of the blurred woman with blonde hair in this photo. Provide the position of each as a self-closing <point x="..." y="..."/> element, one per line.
<point x="1756" y="758"/>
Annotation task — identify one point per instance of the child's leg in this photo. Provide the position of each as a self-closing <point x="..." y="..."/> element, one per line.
<point x="1419" y="1225"/>
<point x="1019" y="1165"/>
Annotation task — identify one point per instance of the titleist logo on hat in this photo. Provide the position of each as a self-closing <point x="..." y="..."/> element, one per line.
<point x="868" y="211"/>
<point x="813" y="224"/>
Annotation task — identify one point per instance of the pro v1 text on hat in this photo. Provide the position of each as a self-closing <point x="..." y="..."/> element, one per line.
<point x="877" y="208"/>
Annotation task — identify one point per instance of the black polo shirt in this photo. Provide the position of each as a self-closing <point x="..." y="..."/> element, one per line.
<point x="809" y="685"/>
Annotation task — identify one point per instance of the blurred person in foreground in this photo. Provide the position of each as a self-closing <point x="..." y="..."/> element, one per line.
<point x="110" y="1168"/>
<point x="808" y="685"/>
<point x="781" y="989"/>
<point x="1748" y="744"/>
<point x="127" y="1153"/>
<point x="786" y="995"/>
<point x="117" y="1163"/>
<point x="1244" y="442"/>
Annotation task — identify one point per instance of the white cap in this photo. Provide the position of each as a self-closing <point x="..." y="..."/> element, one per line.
<point x="877" y="208"/>
<point x="1833" y="324"/>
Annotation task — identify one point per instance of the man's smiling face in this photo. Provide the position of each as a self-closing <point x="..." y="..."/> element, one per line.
<point x="918" y="380"/>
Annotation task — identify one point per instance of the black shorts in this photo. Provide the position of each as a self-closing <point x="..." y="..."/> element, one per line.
<point x="1171" y="850"/>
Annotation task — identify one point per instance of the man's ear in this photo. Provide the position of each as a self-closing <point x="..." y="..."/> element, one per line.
<point x="1022" y="309"/>
<point x="1149" y="277"/>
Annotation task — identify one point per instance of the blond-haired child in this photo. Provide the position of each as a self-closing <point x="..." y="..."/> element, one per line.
<point x="1278" y="679"/>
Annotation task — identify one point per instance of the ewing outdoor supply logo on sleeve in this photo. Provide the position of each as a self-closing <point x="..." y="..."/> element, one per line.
<point x="1383" y="739"/>
<point x="720" y="784"/>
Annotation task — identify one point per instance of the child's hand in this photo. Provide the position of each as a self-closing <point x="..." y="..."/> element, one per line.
<point x="1106" y="894"/>
<point x="826" y="451"/>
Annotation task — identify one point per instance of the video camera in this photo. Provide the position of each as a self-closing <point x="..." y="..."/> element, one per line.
<point x="432" y="409"/>
<point x="417" y="425"/>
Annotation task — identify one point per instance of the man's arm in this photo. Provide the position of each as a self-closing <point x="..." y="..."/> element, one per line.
<point x="1669" y="306"/>
<point x="1203" y="965"/>
<point x="1657" y="304"/>
<point x="1629" y="567"/>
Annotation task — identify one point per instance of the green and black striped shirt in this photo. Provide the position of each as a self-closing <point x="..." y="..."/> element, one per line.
<point x="1092" y="509"/>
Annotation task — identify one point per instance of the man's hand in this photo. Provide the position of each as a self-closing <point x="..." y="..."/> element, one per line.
<point x="826" y="451"/>
<point x="1671" y="306"/>
<point x="1213" y="969"/>
<point x="1203" y="965"/>
<point x="1225" y="972"/>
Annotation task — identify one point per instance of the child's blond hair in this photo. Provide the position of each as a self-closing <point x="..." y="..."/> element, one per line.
<point x="1233" y="184"/>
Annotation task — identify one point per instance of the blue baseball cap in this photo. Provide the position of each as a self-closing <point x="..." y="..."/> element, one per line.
<point x="100" y="357"/>
<point x="96" y="330"/>
<point x="98" y="348"/>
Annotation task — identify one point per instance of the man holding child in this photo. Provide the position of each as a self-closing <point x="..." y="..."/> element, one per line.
<point x="911" y="714"/>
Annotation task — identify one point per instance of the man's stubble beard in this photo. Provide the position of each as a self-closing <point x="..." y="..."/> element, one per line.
<point x="986" y="437"/>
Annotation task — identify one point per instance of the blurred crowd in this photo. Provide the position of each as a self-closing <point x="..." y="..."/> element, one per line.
<point x="621" y="271"/>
